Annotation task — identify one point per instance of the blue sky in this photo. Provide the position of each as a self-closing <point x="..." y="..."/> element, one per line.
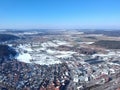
<point x="59" y="14"/>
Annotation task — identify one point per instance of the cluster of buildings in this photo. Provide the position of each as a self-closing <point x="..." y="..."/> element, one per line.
<point x="19" y="75"/>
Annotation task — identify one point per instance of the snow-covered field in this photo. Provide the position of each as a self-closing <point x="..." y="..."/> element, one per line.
<point x="24" y="57"/>
<point x="44" y="59"/>
<point x="109" y="54"/>
<point x="54" y="43"/>
<point x="28" y="54"/>
<point x="25" y="48"/>
<point x="86" y="42"/>
<point x="60" y="54"/>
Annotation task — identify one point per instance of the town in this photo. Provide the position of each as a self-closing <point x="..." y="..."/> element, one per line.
<point x="60" y="60"/>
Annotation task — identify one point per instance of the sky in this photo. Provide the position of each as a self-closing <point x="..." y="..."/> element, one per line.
<point x="59" y="14"/>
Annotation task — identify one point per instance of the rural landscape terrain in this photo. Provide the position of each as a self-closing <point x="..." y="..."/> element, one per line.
<point x="59" y="59"/>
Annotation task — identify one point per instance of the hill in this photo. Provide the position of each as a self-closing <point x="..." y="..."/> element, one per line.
<point x="7" y="37"/>
<point x="6" y="53"/>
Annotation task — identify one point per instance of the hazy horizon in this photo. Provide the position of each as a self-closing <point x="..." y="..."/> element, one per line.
<point x="61" y="14"/>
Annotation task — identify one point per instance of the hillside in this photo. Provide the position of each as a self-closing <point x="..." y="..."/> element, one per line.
<point x="6" y="52"/>
<point x="7" y="37"/>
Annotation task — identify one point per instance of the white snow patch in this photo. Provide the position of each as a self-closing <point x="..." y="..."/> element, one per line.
<point x="54" y="43"/>
<point x="86" y="42"/>
<point x="44" y="59"/>
<point x="49" y="51"/>
<point x="30" y="33"/>
<point x="61" y="42"/>
<point x="60" y="54"/>
<point x="49" y="44"/>
<point x="24" y="57"/>
<point x="25" y="48"/>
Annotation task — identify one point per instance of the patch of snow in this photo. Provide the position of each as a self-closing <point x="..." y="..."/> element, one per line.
<point x="60" y="54"/>
<point x="49" y="44"/>
<point x="25" y="48"/>
<point x="47" y="62"/>
<point x="24" y="57"/>
<point x="61" y="42"/>
<point x="111" y="53"/>
<point x="54" y="43"/>
<point x="49" y="51"/>
<point x="44" y="59"/>
<point x="101" y="55"/>
<point x="63" y="56"/>
<point x="86" y="42"/>
<point x="30" y="33"/>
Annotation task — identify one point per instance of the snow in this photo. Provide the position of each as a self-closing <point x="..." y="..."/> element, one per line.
<point x="75" y="80"/>
<point x="63" y="56"/>
<point x="113" y="63"/>
<point x="10" y="45"/>
<point x="48" y="57"/>
<point x="49" y="51"/>
<point x="86" y="42"/>
<point x="60" y="42"/>
<point x="66" y="52"/>
<point x="25" y="48"/>
<point x="102" y="55"/>
<point x="109" y="54"/>
<point x="30" y="33"/>
<point x="24" y="57"/>
<point x="112" y="70"/>
<point x="60" y="54"/>
<point x="49" y="44"/>
<point x="54" y="43"/>
<point x="44" y="59"/>
<point x="35" y="56"/>
<point x="47" y="62"/>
